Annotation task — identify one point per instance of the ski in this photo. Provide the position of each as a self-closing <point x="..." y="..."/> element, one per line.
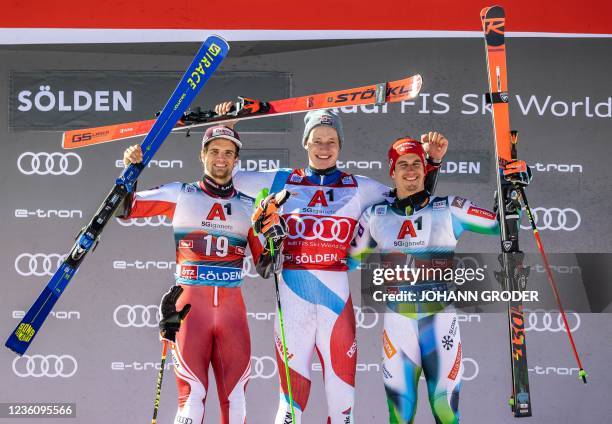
<point x="204" y="64"/>
<point x="245" y="108"/>
<point x="513" y="275"/>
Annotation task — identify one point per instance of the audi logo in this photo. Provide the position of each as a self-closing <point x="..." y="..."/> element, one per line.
<point x="319" y="228"/>
<point x="540" y="320"/>
<point x="38" y="264"/>
<point x="555" y="219"/>
<point x="248" y="267"/>
<point x="473" y="374"/>
<point x="263" y="367"/>
<point x="136" y="316"/>
<point x="365" y="316"/>
<point x="37" y="366"/>
<point x="44" y="163"/>
<point x="153" y="221"/>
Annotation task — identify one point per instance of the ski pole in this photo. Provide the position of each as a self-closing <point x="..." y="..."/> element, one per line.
<point x="581" y="373"/>
<point x="160" y="377"/>
<point x="284" y="343"/>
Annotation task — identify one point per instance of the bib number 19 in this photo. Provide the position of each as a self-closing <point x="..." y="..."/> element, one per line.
<point x="216" y="246"/>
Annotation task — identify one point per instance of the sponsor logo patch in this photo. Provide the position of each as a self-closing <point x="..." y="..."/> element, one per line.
<point x="458" y="202"/>
<point x="455" y="370"/>
<point x="185" y="244"/>
<point x="348" y="180"/>
<point x="380" y="210"/>
<point x="439" y="205"/>
<point x="483" y="213"/>
<point x="388" y="347"/>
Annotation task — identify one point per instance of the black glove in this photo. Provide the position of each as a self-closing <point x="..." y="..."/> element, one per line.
<point x="171" y="318"/>
<point x="275" y="234"/>
<point x="518" y="173"/>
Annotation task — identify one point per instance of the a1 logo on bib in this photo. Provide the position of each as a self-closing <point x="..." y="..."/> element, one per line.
<point x="409" y="229"/>
<point x="217" y="211"/>
<point x="320" y="199"/>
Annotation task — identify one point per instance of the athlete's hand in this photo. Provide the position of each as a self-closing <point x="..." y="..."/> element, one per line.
<point x="518" y="173"/>
<point x="224" y="109"/>
<point x="132" y="154"/>
<point x="435" y="145"/>
<point x="171" y="319"/>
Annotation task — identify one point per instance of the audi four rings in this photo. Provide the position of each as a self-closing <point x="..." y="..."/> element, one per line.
<point x="38" y="264"/>
<point x="540" y="320"/>
<point x="137" y="316"/>
<point x="44" y="163"/>
<point x="325" y="228"/>
<point x="153" y="221"/>
<point x="555" y="219"/>
<point x="64" y="366"/>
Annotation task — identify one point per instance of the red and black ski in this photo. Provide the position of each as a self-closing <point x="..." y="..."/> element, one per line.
<point x="386" y="92"/>
<point x="513" y="275"/>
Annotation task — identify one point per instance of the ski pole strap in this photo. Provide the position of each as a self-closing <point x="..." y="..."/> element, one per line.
<point x="497" y="97"/>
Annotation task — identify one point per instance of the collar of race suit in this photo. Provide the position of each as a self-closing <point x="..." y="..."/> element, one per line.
<point x="220" y="190"/>
<point x="412" y="203"/>
<point x="322" y="176"/>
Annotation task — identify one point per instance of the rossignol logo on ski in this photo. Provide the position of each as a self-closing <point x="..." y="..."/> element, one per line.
<point x="494" y="24"/>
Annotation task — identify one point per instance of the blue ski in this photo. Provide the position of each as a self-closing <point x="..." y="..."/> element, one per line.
<point x="211" y="54"/>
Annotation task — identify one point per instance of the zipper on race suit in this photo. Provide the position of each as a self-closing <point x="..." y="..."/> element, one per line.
<point x="216" y="296"/>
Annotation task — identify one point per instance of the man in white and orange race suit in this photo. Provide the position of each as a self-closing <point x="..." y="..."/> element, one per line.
<point x="212" y="228"/>
<point x="418" y="229"/>
<point x="321" y="216"/>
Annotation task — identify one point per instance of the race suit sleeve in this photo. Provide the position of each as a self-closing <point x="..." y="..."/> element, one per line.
<point x="252" y="182"/>
<point x="371" y="192"/>
<point x="256" y="244"/>
<point x="363" y="243"/>
<point x="157" y="201"/>
<point x="468" y="217"/>
<point x="431" y="179"/>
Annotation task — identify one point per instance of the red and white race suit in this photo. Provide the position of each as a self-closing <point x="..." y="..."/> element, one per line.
<point x="211" y="235"/>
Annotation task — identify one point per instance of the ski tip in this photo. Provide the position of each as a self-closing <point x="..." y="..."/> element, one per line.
<point x="218" y="39"/>
<point x="495" y="12"/>
<point x="484" y="11"/>
<point x="582" y="375"/>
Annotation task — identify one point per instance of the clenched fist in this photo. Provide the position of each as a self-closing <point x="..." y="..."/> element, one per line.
<point x="132" y="154"/>
<point x="435" y="144"/>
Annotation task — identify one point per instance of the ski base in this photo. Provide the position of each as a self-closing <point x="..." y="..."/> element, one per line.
<point x="388" y="92"/>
